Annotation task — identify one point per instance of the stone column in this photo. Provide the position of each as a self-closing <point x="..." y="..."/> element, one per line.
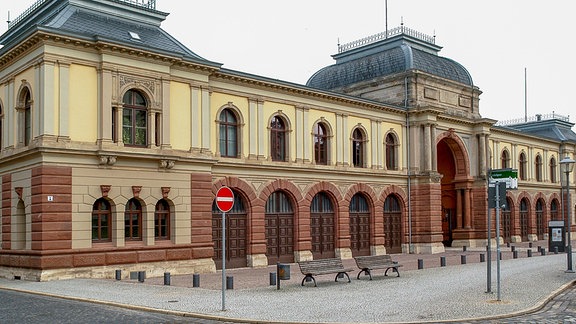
<point x="207" y="124"/>
<point x="427" y="148"/>
<point x="195" y="125"/>
<point x="64" y="91"/>
<point x="253" y="129"/>
<point x="482" y="160"/>
<point x="458" y="208"/>
<point x="433" y="147"/>
<point x="261" y="131"/>
<point x="468" y="208"/>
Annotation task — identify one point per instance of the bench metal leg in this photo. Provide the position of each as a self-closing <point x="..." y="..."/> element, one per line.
<point x="365" y="270"/>
<point x="339" y="273"/>
<point x="311" y="277"/>
<point x="394" y="269"/>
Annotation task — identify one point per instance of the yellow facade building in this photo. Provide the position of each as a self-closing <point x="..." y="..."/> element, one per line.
<point x="115" y="138"/>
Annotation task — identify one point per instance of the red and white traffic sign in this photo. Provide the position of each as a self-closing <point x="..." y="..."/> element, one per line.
<point x="225" y="199"/>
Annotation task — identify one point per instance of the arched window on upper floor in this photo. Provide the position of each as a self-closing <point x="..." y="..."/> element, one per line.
<point x="553" y="170"/>
<point x="538" y="170"/>
<point x="134" y="119"/>
<point x="278" y="139"/>
<point x="391" y="152"/>
<point x="505" y="159"/>
<point x="358" y="148"/>
<point x="1" y="125"/>
<point x="101" y="221"/>
<point x="25" y="120"/>
<point x="321" y="143"/>
<point x="228" y="134"/>
<point x="522" y="166"/>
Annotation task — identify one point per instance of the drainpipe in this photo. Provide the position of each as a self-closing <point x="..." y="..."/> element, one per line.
<point x="409" y="180"/>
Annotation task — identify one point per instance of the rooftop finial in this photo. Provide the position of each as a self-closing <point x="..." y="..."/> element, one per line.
<point x="8" y="21"/>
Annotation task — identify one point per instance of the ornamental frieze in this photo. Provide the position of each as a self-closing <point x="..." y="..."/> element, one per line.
<point x="128" y="80"/>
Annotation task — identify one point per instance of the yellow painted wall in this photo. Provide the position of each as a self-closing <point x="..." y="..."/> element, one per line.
<point x="83" y="103"/>
<point x="217" y="101"/>
<point x="180" y="116"/>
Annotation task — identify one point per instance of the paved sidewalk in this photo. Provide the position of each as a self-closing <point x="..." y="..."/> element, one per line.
<point x="455" y="292"/>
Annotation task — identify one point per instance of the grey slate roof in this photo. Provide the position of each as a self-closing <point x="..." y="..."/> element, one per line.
<point x="66" y="18"/>
<point x="387" y="62"/>
<point x="555" y="129"/>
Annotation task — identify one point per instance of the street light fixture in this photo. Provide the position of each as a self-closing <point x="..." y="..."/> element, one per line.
<point x="566" y="166"/>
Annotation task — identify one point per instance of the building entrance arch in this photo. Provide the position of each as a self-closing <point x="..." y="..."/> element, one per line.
<point x="456" y="188"/>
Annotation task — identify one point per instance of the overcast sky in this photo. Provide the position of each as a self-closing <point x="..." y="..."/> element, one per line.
<point x="290" y="40"/>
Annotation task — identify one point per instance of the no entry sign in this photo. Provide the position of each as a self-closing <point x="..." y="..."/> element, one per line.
<point x="224" y="199"/>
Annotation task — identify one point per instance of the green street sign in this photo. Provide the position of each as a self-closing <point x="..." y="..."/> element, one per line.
<point x="509" y="176"/>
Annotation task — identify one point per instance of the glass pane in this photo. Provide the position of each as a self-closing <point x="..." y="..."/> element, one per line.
<point x="140" y="118"/>
<point x="139" y="99"/>
<point x="140" y="137"/>
<point x="127" y="135"/>
<point x="231" y="141"/>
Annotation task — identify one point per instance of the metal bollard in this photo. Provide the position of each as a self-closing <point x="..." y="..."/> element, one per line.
<point x="513" y="248"/>
<point x="141" y="276"/>
<point x="272" y="278"/>
<point x="464" y="248"/>
<point x="555" y="250"/>
<point x="539" y="248"/>
<point x="542" y="251"/>
<point x="229" y="282"/>
<point x="530" y="244"/>
<point x="166" y="278"/>
<point x="118" y="274"/>
<point x="420" y="264"/>
<point x="442" y="261"/>
<point x="463" y="259"/>
<point x="515" y="254"/>
<point x="500" y="255"/>
<point x="482" y="257"/>
<point x="507" y="244"/>
<point x="196" y="280"/>
<point x="529" y="253"/>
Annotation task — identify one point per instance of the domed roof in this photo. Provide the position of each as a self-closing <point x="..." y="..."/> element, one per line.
<point x="375" y="57"/>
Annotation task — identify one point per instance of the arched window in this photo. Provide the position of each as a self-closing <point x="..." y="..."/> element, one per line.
<point x="279" y="228"/>
<point x="522" y="167"/>
<point x="538" y="168"/>
<point x="101" y="221"/>
<point x="391" y="152"/>
<point x="359" y="225"/>
<point x="278" y="136"/>
<point x="134" y="119"/>
<point x="322" y="227"/>
<point x="540" y="226"/>
<point x="133" y="220"/>
<point x="553" y="171"/>
<point x="554" y="210"/>
<point x="524" y="219"/>
<point x="320" y="144"/>
<point x="228" y="134"/>
<point x="162" y="220"/>
<point x="1" y="124"/>
<point x="26" y="121"/>
<point x="358" y="143"/>
<point x="392" y="225"/>
<point x="505" y="159"/>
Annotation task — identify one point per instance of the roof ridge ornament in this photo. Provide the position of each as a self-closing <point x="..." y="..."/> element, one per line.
<point x="402" y="30"/>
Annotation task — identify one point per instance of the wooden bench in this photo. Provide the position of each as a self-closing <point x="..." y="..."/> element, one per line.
<point x="368" y="263"/>
<point x="323" y="266"/>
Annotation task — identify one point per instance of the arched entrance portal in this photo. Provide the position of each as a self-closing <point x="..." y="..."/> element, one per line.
<point x="452" y="164"/>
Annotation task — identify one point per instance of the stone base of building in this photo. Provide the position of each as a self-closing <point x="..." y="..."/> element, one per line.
<point x="423" y="248"/>
<point x="377" y="250"/>
<point x="303" y="256"/>
<point x="472" y="243"/>
<point x="152" y="269"/>
<point x="532" y="237"/>
<point x="515" y="239"/>
<point x="344" y="253"/>
<point x="257" y="260"/>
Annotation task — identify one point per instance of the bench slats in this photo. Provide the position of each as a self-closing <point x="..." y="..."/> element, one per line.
<point x="323" y="266"/>
<point x="368" y="263"/>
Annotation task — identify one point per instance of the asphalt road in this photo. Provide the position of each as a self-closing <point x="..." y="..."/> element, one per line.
<point x="24" y="308"/>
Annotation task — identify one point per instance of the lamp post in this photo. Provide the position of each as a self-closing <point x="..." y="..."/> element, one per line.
<point x="566" y="166"/>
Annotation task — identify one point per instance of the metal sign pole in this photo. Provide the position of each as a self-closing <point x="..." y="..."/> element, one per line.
<point x="498" y="238"/>
<point x="223" y="261"/>
<point x="489" y="249"/>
